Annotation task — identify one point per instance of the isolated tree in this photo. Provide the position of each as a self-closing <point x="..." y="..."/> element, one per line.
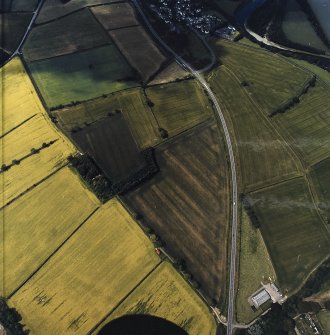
<point x="150" y="103"/>
<point x="4" y="167"/>
<point x="163" y="133"/>
<point x="153" y="237"/>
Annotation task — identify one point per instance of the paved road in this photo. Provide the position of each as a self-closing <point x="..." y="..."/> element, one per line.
<point x="202" y="81"/>
<point x="28" y="29"/>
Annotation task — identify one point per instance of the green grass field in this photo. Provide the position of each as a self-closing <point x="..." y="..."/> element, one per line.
<point x="179" y="106"/>
<point x="254" y="266"/>
<point x="133" y="105"/>
<point x="320" y="174"/>
<point x="271" y="80"/>
<point x="321" y="73"/>
<point x="146" y="60"/>
<point x="76" y="32"/>
<point x="140" y="118"/>
<point x="324" y="318"/>
<point x="23" y="5"/>
<point x="13" y="26"/>
<point x="166" y="294"/>
<point x="53" y="9"/>
<point x="263" y="156"/>
<point x="306" y="126"/>
<point x="296" y="237"/>
<point x="38" y="222"/>
<point x="318" y="71"/>
<point x="114" y="16"/>
<point x="90" y="275"/>
<point x="82" y="76"/>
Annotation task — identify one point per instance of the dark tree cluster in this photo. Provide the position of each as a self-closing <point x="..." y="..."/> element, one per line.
<point x="163" y="133"/>
<point x="294" y="100"/>
<point x="275" y="322"/>
<point x="10" y="319"/>
<point x="92" y="175"/>
<point x="181" y="266"/>
<point x="295" y="304"/>
<point x="261" y="18"/>
<point x="249" y="211"/>
<point x="103" y="187"/>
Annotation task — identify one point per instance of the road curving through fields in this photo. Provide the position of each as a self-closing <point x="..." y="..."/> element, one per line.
<point x="202" y="81"/>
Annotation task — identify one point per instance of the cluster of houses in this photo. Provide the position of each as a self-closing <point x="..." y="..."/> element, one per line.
<point x="187" y="13"/>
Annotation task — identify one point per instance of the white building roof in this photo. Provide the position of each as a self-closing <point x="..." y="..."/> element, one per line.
<point x="260" y="298"/>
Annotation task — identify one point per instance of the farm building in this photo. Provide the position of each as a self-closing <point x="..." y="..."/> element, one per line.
<point x="274" y="292"/>
<point x="259" y="298"/>
<point x="268" y="291"/>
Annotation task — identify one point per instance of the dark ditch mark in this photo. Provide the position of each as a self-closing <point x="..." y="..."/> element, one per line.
<point x="32" y="187"/>
<point x="9" y="131"/>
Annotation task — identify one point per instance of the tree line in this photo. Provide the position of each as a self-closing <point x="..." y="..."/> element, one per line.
<point x="294" y="100"/>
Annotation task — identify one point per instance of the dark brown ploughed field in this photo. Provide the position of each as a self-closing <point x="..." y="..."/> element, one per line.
<point x="187" y="204"/>
<point x="110" y="143"/>
<point x="139" y="50"/>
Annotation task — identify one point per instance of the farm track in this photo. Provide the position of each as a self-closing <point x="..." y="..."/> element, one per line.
<point x="202" y="81"/>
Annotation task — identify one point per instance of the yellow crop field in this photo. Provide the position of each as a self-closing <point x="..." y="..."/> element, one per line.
<point x="38" y="222"/>
<point x="166" y="294"/>
<point x="20" y="100"/>
<point x="31" y="134"/>
<point x="23" y="109"/>
<point x="94" y="270"/>
<point x="33" y="169"/>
